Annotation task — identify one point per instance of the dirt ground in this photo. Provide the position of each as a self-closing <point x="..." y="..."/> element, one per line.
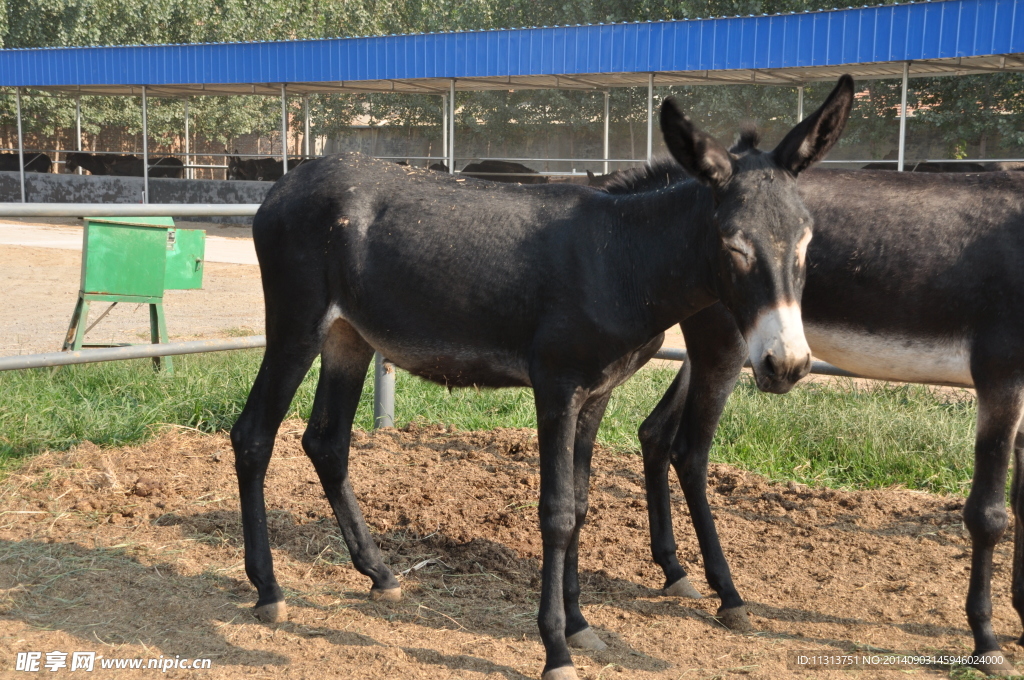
<point x="137" y="552"/>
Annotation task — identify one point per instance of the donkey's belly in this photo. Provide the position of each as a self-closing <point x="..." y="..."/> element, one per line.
<point x="459" y="366"/>
<point x="891" y="357"/>
<point x="450" y="363"/>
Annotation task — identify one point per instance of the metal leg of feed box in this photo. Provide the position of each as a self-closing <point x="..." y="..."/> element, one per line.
<point x="158" y="334"/>
<point x="75" y="338"/>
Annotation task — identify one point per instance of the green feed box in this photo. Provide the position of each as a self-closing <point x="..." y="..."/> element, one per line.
<point x="140" y="256"/>
<point x="186" y="249"/>
<point x="134" y="260"/>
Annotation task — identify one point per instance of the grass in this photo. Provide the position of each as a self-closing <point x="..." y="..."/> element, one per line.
<point x="834" y="434"/>
<point x="844" y="436"/>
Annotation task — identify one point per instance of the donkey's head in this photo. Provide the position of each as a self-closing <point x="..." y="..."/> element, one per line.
<point x="763" y="229"/>
<point x="236" y="170"/>
<point x="72" y="162"/>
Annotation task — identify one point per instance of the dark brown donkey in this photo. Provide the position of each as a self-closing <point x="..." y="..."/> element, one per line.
<point x="911" y="277"/>
<point x="556" y="287"/>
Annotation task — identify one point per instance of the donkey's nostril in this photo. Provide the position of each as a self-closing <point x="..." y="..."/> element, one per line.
<point x="772" y="364"/>
<point x="801" y="370"/>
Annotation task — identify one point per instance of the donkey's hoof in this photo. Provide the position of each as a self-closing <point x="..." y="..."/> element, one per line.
<point x="682" y="588"/>
<point x="563" y="673"/>
<point x="275" y="612"/>
<point x="735" y="619"/>
<point x="386" y="595"/>
<point x="994" y="663"/>
<point x="586" y="639"/>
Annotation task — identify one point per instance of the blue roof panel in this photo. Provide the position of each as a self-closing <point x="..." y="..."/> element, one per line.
<point x="1017" y="22"/>
<point x="931" y="30"/>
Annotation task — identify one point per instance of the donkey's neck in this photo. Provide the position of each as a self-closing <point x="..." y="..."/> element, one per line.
<point x="669" y="253"/>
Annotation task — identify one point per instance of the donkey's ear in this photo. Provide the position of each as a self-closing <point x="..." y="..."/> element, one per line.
<point x="697" y="151"/>
<point x="815" y="135"/>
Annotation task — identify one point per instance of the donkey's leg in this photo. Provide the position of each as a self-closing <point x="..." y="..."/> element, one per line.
<point x="681" y="430"/>
<point x="999" y="413"/>
<point x="656" y="435"/>
<point x="711" y="383"/>
<point x="344" y="359"/>
<point x="577" y="631"/>
<point x="558" y="407"/>
<point x="284" y="365"/>
<point x="1017" y="502"/>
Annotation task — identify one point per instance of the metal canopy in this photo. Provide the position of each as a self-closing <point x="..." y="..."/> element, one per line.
<point x="937" y="38"/>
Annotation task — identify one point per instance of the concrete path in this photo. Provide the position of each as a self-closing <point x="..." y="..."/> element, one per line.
<point x="226" y="244"/>
<point x="68" y="236"/>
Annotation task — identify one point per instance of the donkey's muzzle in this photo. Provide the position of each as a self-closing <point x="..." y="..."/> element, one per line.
<point x="779" y="353"/>
<point x="777" y="377"/>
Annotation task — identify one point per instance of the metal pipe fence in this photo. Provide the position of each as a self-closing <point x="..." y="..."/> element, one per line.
<point x="384" y="400"/>
<point x="556" y="173"/>
<point x="89" y="356"/>
<point x="384" y="371"/>
<point x="128" y="209"/>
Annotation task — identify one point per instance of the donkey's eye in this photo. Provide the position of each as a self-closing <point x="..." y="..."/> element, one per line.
<point x="740" y="249"/>
<point x="741" y="257"/>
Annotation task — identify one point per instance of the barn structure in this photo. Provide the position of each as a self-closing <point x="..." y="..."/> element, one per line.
<point x="917" y="39"/>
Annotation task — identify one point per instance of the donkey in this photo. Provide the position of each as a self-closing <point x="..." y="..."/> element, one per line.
<point x="101" y="164"/>
<point x="34" y="162"/>
<point x="159" y="166"/>
<point x="260" y="169"/>
<point x="167" y="167"/>
<point x="124" y="165"/>
<point x="555" y="287"/>
<point x="910" y="277"/>
<point x="503" y="171"/>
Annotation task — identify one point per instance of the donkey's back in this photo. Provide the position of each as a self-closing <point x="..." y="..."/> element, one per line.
<point x="408" y="257"/>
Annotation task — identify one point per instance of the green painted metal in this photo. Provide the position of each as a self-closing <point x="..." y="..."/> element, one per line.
<point x="133" y="260"/>
<point x="158" y="334"/>
<point x="186" y="250"/>
<point x="125" y="255"/>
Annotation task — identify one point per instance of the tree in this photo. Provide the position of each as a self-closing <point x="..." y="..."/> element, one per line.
<point x="980" y="112"/>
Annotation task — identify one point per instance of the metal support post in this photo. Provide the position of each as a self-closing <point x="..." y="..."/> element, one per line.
<point x="451" y="129"/>
<point x="903" y="117"/>
<point x="305" y="132"/>
<point x="799" y="103"/>
<point x="650" y="117"/>
<point x="21" y="142"/>
<point x="284" y="128"/>
<point x="607" y="117"/>
<point x="78" y="126"/>
<point x="158" y="335"/>
<point x="383" y="392"/>
<point x="188" y="147"/>
<point x="444" y="125"/>
<point x="145" y="149"/>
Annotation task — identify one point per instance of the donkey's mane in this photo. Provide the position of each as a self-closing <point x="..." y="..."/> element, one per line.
<point x="663" y="172"/>
<point x="748" y="140"/>
<point x="658" y="174"/>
